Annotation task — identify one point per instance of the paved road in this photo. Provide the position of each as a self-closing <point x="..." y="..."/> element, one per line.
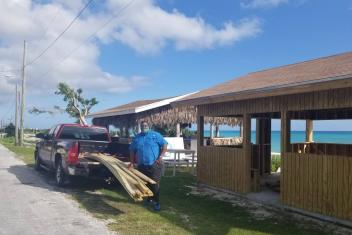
<point x="29" y="205"/>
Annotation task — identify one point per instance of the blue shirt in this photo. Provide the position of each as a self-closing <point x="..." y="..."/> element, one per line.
<point x="147" y="147"/>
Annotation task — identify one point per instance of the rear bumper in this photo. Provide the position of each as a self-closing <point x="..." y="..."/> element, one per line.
<point x="84" y="168"/>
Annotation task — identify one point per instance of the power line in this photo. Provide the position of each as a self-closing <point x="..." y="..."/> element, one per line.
<point x="10" y="70"/>
<point x="61" y="34"/>
<point x="90" y="37"/>
<point x="48" y="26"/>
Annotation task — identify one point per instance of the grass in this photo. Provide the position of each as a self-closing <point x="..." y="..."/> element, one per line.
<point x="24" y="153"/>
<point x="182" y="212"/>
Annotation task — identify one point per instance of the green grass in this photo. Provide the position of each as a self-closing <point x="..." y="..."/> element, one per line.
<point x="182" y="212"/>
<point x="24" y="153"/>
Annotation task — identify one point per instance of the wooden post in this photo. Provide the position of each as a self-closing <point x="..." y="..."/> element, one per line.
<point x="200" y="131"/>
<point x="247" y="148"/>
<point x="217" y="131"/>
<point x="285" y="132"/>
<point x="211" y="131"/>
<point x="241" y="129"/>
<point x="309" y="130"/>
<point x="258" y="131"/>
<point x="16" y="116"/>
<point x="178" y="130"/>
<point x="23" y="96"/>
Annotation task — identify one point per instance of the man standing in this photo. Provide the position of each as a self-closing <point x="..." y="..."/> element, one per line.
<point x="147" y="149"/>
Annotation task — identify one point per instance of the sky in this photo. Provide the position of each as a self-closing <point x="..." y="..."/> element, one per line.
<point x="120" y="51"/>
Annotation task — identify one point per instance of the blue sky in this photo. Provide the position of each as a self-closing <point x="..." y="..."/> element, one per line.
<point x="287" y="31"/>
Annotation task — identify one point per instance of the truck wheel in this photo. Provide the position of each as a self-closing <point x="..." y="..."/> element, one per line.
<point x="37" y="161"/>
<point x="60" y="176"/>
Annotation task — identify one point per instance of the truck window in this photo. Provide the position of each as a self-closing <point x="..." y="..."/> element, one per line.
<point x="84" y="133"/>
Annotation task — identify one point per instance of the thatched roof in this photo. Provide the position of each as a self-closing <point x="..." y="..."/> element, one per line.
<point x="155" y="112"/>
<point x="275" y="81"/>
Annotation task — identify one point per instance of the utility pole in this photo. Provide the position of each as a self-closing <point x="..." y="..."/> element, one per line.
<point x="16" y="115"/>
<point x="23" y="99"/>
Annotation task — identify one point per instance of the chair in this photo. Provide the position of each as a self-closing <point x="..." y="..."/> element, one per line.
<point x="177" y="155"/>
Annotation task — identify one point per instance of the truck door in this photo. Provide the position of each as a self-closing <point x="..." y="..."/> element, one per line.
<point x="47" y="146"/>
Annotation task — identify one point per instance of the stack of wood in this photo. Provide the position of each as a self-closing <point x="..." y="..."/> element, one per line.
<point x="131" y="179"/>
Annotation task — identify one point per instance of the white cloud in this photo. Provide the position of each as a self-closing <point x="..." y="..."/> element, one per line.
<point x="262" y="3"/>
<point x="144" y="27"/>
<point x="147" y="28"/>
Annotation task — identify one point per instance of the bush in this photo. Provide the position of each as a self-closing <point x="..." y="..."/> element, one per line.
<point x="275" y="163"/>
<point x="10" y="130"/>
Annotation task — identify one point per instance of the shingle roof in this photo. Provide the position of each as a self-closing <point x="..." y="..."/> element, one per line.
<point x="312" y="71"/>
<point x="125" y="107"/>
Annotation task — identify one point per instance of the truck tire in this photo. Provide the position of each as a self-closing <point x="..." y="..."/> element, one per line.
<point x="37" y="161"/>
<point x="60" y="176"/>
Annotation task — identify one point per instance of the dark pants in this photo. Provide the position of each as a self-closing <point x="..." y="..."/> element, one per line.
<point x="153" y="172"/>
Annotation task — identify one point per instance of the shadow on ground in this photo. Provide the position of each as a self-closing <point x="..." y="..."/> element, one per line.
<point x="181" y="212"/>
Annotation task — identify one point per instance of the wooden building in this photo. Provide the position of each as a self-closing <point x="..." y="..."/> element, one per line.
<point x="316" y="177"/>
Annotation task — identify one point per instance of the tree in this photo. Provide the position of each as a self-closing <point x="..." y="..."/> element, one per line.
<point x="10" y="130"/>
<point x="77" y="106"/>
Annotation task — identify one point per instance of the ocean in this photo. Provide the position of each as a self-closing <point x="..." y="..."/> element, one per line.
<point x="342" y="137"/>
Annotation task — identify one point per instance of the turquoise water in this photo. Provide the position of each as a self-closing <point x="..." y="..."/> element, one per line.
<point x="341" y="137"/>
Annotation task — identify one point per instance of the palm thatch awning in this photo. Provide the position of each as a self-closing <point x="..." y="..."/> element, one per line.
<point x="155" y="112"/>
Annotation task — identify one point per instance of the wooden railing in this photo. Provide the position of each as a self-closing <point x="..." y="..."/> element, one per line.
<point x="318" y="183"/>
<point x="223" y="167"/>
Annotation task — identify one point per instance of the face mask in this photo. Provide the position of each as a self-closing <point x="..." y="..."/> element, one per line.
<point x="145" y="129"/>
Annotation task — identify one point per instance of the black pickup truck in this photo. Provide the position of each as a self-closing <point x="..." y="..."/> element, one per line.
<point x="60" y="149"/>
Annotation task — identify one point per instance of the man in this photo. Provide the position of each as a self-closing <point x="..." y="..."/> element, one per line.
<point x="147" y="148"/>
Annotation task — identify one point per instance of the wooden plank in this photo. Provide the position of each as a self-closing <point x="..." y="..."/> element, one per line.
<point x="282" y="179"/>
<point x="339" y="182"/>
<point x="326" y="203"/>
<point x="297" y="180"/>
<point x="306" y="193"/>
<point x="319" y="185"/>
<point x="349" y="188"/>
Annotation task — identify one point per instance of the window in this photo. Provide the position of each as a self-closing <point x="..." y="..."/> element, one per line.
<point x="325" y="132"/>
<point x="222" y="131"/>
<point x="84" y="133"/>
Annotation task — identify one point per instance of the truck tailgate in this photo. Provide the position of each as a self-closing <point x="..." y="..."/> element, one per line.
<point x="92" y="146"/>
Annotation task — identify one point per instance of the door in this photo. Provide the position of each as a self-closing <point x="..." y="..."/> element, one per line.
<point x="47" y="146"/>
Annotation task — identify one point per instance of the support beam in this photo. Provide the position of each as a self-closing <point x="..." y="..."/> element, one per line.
<point x="178" y="130"/>
<point x="217" y="131"/>
<point x="241" y="129"/>
<point x="309" y="130"/>
<point x="200" y="131"/>
<point x="285" y="132"/>
<point x="247" y="148"/>
<point x="211" y="131"/>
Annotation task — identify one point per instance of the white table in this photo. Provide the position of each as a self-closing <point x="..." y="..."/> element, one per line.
<point x="176" y="159"/>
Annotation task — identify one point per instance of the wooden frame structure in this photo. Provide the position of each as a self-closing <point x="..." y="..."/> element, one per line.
<point x="314" y="177"/>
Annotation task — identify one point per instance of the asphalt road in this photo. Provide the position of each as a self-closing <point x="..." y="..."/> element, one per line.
<point x="29" y="205"/>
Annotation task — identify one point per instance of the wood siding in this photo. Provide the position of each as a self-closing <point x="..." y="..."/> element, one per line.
<point x="318" y="183"/>
<point x="223" y="167"/>
<point x="330" y="99"/>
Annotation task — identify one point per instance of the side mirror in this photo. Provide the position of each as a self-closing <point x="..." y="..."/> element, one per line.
<point x="42" y="136"/>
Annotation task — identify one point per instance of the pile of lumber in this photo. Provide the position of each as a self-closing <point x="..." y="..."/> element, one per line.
<point x="131" y="179"/>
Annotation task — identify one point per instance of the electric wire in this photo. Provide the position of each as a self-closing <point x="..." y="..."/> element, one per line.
<point x="90" y="37"/>
<point x="61" y="34"/>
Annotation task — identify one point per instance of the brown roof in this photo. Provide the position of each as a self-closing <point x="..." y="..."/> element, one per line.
<point x="312" y="71"/>
<point x="132" y="105"/>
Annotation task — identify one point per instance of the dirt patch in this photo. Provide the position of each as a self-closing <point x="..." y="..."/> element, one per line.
<point x="261" y="212"/>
